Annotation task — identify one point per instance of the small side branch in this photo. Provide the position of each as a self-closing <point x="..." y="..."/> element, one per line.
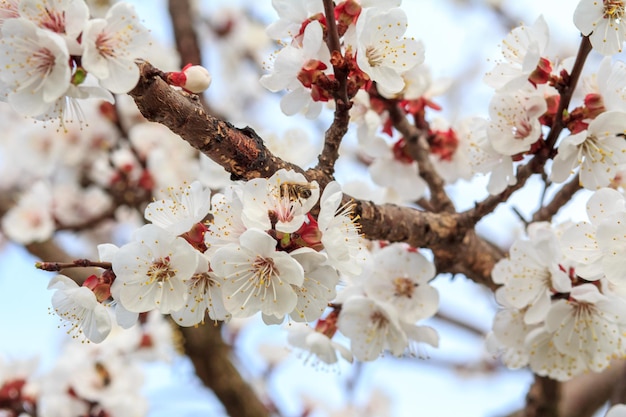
<point x="561" y="198"/>
<point x="184" y="31"/>
<point x="339" y="127"/>
<point x="490" y="203"/>
<point x="567" y="91"/>
<point x="419" y="150"/>
<point x="78" y="263"/>
<point x="543" y="398"/>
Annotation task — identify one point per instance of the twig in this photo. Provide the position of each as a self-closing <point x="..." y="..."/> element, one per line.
<point x="88" y="223"/>
<point x="184" y="31"/>
<point x="78" y="263"/>
<point x="332" y="34"/>
<point x="335" y="133"/>
<point x="460" y="324"/>
<point x="543" y="398"/>
<point x="536" y="164"/>
<point x="566" y="91"/>
<point x="561" y="198"/>
<point x="490" y="203"/>
<point x="419" y="150"/>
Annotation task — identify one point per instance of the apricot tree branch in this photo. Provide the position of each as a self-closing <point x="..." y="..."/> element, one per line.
<point x="417" y="145"/>
<point x="240" y="151"/>
<point x="543" y="398"/>
<point x="561" y="198"/>
<point x="339" y="127"/>
<point x="187" y="45"/>
<point x="211" y="358"/>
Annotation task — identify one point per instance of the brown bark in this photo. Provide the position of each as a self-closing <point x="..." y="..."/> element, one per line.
<point x="211" y="358"/>
<point x="242" y="153"/>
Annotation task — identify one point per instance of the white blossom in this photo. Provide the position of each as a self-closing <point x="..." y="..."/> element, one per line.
<point x="318" y="287"/>
<point x="600" y="151"/>
<point x="589" y="326"/>
<point x="316" y="344"/>
<point x="185" y="207"/>
<point x="287" y="65"/>
<point x="604" y="23"/>
<point x="340" y="234"/>
<point x="65" y="17"/>
<point x="382" y="51"/>
<point x="256" y="277"/>
<point x="34" y="66"/>
<point x="204" y="295"/>
<point x="514" y="125"/>
<point x="152" y="270"/>
<point x="79" y="306"/>
<point x="400" y="277"/>
<point x="111" y="46"/>
<point x="522" y="50"/>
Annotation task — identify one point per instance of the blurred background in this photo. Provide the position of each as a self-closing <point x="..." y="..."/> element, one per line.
<point x="462" y="40"/>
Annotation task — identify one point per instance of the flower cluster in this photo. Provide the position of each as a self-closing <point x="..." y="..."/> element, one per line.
<point x="262" y="250"/>
<point x="52" y="53"/>
<point x="258" y="247"/>
<point x="528" y="87"/>
<point x="90" y="379"/>
<point x="381" y="64"/>
<point x="377" y="310"/>
<point x="563" y="308"/>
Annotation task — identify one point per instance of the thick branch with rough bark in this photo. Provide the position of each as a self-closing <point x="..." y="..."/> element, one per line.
<point x="211" y="358"/>
<point x="242" y="153"/>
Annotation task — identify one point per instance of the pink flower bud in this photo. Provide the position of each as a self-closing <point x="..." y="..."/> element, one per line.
<point x="198" y="79"/>
<point x="193" y="78"/>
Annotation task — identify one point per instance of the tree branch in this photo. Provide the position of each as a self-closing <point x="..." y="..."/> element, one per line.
<point x="561" y="198"/>
<point x="417" y="145"/>
<point x="211" y="358"/>
<point x="543" y="398"/>
<point x="339" y="127"/>
<point x="184" y="32"/>
<point x="240" y="151"/>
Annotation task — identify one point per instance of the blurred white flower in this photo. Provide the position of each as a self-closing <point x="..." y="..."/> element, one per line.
<point x="30" y="220"/>
<point x="111" y="46"/>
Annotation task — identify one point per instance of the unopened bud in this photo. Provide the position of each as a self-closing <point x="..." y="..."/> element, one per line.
<point x="193" y="78"/>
